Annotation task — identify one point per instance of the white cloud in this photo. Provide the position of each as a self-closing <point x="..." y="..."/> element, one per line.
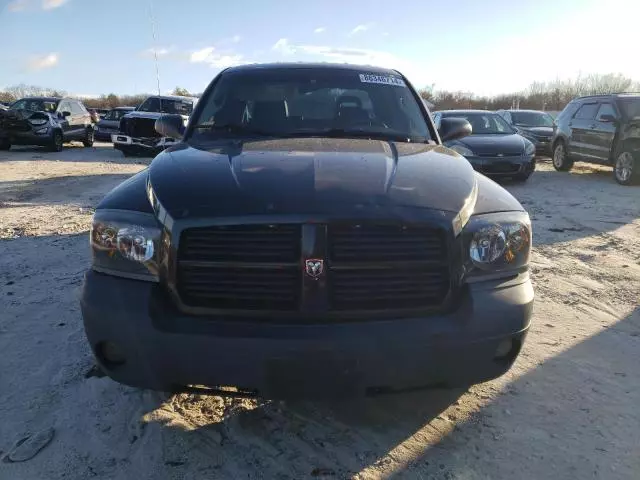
<point x="320" y="30"/>
<point x="41" y="62"/>
<point x="51" y="4"/>
<point x="236" y="38"/>
<point x="336" y="54"/>
<point x="17" y="5"/>
<point x="362" y="28"/>
<point x="283" y="46"/>
<point x="160" y="51"/>
<point x="210" y="56"/>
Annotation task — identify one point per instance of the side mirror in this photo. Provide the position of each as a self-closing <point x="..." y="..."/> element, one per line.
<point x="170" y="125"/>
<point x="66" y="114"/>
<point x="607" y="118"/>
<point x="453" y="128"/>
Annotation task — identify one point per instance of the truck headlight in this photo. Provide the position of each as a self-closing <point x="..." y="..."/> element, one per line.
<point x="529" y="148"/>
<point x="462" y="150"/>
<point x="125" y="244"/>
<point x="498" y="242"/>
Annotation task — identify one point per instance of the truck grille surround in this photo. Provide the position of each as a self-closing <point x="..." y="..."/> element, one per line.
<point x="139" y="127"/>
<point x="367" y="267"/>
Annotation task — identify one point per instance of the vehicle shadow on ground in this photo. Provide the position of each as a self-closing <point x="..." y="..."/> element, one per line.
<point x="573" y="416"/>
<point x="58" y="190"/>
<point x="73" y="152"/>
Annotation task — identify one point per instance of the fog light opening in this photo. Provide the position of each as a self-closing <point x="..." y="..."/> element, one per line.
<point x="110" y="354"/>
<point x="507" y="350"/>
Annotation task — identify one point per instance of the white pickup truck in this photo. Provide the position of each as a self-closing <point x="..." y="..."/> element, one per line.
<point x="137" y="134"/>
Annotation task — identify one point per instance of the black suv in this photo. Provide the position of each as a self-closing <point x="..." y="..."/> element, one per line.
<point x="602" y="129"/>
<point x="308" y="235"/>
<point x="45" y="121"/>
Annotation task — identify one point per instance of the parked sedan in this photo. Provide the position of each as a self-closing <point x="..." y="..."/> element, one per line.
<point x="110" y="123"/>
<point x="534" y="125"/>
<point x="494" y="147"/>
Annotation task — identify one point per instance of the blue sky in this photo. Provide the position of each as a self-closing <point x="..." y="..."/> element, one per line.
<point x="488" y="47"/>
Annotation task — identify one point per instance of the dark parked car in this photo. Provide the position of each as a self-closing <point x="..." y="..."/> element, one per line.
<point x="110" y="123"/>
<point x="602" y="129"/>
<point x="45" y="121"/>
<point x="494" y="148"/>
<point x="534" y="125"/>
<point x="137" y="129"/>
<point x="309" y="235"/>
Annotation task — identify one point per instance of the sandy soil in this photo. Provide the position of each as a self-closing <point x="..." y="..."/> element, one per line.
<point x="570" y="407"/>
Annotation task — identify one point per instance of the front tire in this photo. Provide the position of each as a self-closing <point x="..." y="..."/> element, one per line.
<point x="561" y="160"/>
<point x="89" y="138"/>
<point x="56" y="142"/>
<point x="626" y="170"/>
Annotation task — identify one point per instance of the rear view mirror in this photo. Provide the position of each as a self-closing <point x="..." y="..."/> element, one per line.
<point x="453" y="128"/>
<point x="607" y="118"/>
<point x="66" y="114"/>
<point x="170" y="125"/>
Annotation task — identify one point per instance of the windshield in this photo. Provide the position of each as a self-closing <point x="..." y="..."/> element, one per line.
<point x="35" y="105"/>
<point x="483" y="123"/>
<point x="311" y="102"/>
<point x="631" y="107"/>
<point x="163" y="105"/>
<point x="532" y="119"/>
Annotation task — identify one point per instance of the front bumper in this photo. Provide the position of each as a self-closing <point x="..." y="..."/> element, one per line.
<point x="170" y="351"/>
<point x="29" y="137"/>
<point x="104" y="134"/>
<point x="121" y="141"/>
<point x="507" y="166"/>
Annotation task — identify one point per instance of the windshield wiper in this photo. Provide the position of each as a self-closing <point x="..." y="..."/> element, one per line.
<point x="234" y="128"/>
<point x="357" y="133"/>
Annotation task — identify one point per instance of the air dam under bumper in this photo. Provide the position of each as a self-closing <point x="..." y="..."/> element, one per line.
<point x="166" y="350"/>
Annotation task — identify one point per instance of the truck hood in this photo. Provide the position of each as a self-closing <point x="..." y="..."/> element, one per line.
<point x="309" y="175"/>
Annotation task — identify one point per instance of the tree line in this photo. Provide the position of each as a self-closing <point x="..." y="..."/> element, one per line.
<point x="551" y="96"/>
<point x="110" y="100"/>
<point x="548" y="96"/>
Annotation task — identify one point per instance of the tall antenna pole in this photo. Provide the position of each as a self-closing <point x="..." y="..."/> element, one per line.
<point x="155" y="46"/>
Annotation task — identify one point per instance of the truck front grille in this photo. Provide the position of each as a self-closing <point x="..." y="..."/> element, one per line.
<point x="139" y="127"/>
<point x="368" y="267"/>
<point x="387" y="267"/>
<point x="246" y="267"/>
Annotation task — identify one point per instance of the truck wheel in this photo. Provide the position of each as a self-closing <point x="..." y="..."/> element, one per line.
<point x="627" y="168"/>
<point x="5" y="144"/>
<point x="56" y="142"/>
<point x="561" y="161"/>
<point x="88" y="138"/>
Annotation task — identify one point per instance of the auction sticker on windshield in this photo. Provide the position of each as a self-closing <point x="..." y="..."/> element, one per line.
<point x="383" y="79"/>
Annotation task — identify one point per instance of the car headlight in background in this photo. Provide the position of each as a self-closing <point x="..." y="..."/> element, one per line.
<point x="529" y="148"/>
<point x="38" y="121"/>
<point x="462" y="150"/>
<point x="498" y="242"/>
<point x="125" y="244"/>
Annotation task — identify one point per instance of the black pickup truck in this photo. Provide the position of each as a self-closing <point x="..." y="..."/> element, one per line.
<point x="137" y="134"/>
<point x="308" y="235"/>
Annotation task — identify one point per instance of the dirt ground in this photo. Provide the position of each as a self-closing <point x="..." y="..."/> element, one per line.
<point x="570" y="407"/>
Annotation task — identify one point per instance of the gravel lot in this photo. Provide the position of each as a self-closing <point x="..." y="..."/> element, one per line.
<point x="570" y="407"/>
